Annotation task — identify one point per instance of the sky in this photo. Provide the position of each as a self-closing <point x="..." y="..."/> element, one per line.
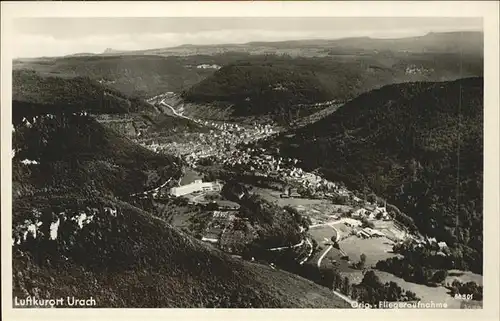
<point x="36" y="37"/>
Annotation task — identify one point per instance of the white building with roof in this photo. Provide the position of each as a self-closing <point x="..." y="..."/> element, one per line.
<point x="363" y="234"/>
<point x="359" y="213"/>
<point x="197" y="186"/>
<point x="373" y="232"/>
<point x="351" y="222"/>
<point x="442" y="245"/>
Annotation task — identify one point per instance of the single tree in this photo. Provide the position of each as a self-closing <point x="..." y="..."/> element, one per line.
<point x="440" y="276"/>
<point x="370" y="279"/>
<point x="362" y="261"/>
<point x="346" y="286"/>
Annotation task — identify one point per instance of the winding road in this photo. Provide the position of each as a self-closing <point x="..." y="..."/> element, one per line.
<point x="345" y="298"/>
<point x="324" y="254"/>
<point x="175" y="112"/>
<point x="287" y="247"/>
<point x="156" y="189"/>
<point x="308" y="254"/>
<point x="328" y="249"/>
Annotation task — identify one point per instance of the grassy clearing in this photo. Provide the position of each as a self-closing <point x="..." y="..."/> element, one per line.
<point x="343" y="229"/>
<point x="320" y="233"/>
<point x="177" y="215"/>
<point x="426" y="293"/>
<point x="189" y="177"/>
<point x="390" y="229"/>
<point x="318" y="210"/>
<point x="376" y="249"/>
<point x="464" y="277"/>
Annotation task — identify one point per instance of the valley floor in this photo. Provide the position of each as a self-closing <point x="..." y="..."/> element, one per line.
<point x="330" y="223"/>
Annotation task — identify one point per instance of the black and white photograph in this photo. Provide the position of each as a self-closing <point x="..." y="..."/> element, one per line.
<point x="247" y="162"/>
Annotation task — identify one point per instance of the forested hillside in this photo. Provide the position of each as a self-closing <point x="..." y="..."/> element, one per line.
<point x="36" y="94"/>
<point x="260" y="89"/>
<point x="72" y="94"/>
<point x="288" y="87"/>
<point x="124" y="257"/>
<point x="140" y="76"/>
<point x="420" y="145"/>
<point x="74" y="152"/>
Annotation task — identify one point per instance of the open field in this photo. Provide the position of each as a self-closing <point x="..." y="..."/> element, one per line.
<point x="375" y="248"/>
<point x="202" y="197"/>
<point x="177" y="215"/>
<point x="322" y="234"/>
<point x="318" y="210"/>
<point x="274" y="195"/>
<point x="181" y="218"/>
<point x="343" y="229"/>
<point x="207" y="197"/>
<point x="464" y="277"/>
<point x="333" y="259"/>
<point x="226" y="203"/>
<point x="189" y="177"/>
<point x="390" y="230"/>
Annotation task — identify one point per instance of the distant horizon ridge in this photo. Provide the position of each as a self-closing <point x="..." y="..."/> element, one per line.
<point x="110" y="50"/>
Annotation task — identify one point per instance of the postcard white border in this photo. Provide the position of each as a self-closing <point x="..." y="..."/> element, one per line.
<point x="488" y="10"/>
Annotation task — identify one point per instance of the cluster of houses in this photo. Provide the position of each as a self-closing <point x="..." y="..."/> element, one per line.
<point x="371" y="211"/>
<point x="440" y="248"/>
<point x="220" y="142"/>
<point x="29" y="162"/>
<point x="315" y="184"/>
<point x="321" y="104"/>
<point x="437" y="247"/>
<point x="369" y="232"/>
<point x="415" y="70"/>
<point x="254" y="161"/>
<point x="106" y="82"/>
